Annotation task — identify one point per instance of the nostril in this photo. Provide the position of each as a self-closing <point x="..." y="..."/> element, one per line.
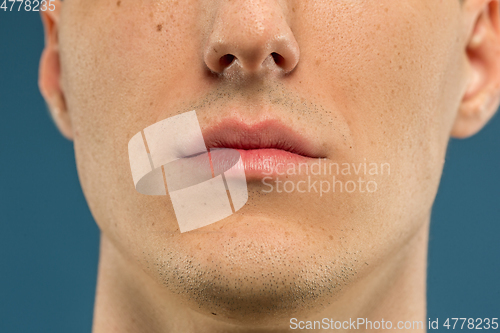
<point x="226" y="60"/>
<point x="278" y="59"/>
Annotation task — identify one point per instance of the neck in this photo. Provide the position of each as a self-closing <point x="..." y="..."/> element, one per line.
<point x="128" y="300"/>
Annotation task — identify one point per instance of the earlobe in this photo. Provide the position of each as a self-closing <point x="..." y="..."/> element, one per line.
<point x="50" y="74"/>
<point x="482" y="97"/>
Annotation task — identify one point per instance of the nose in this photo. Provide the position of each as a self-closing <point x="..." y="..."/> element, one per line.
<point x="250" y="37"/>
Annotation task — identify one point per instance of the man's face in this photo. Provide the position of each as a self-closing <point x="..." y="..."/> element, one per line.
<point x="367" y="82"/>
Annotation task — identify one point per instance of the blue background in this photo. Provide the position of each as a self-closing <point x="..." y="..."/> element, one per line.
<point x="49" y="240"/>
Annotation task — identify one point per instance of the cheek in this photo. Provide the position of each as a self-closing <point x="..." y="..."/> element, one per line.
<point x="123" y="54"/>
<point x="116" y="61"/>
<point x="390" y="70"/>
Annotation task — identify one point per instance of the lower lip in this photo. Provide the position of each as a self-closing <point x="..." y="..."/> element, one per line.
<point x="260" y="163"/>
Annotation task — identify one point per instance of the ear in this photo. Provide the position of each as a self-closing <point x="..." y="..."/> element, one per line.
<point x="482" y="96"/>
<point x="49" y="75"/>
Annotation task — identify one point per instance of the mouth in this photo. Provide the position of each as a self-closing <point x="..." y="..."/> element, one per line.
<point x="267" y="148"/>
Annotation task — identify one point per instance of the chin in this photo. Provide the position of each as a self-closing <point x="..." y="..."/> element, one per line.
<point x="253" y="294"/>
<point x="248" y="275"/>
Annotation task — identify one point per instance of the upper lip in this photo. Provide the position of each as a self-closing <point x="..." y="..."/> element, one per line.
<point x="266" y="134"/>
